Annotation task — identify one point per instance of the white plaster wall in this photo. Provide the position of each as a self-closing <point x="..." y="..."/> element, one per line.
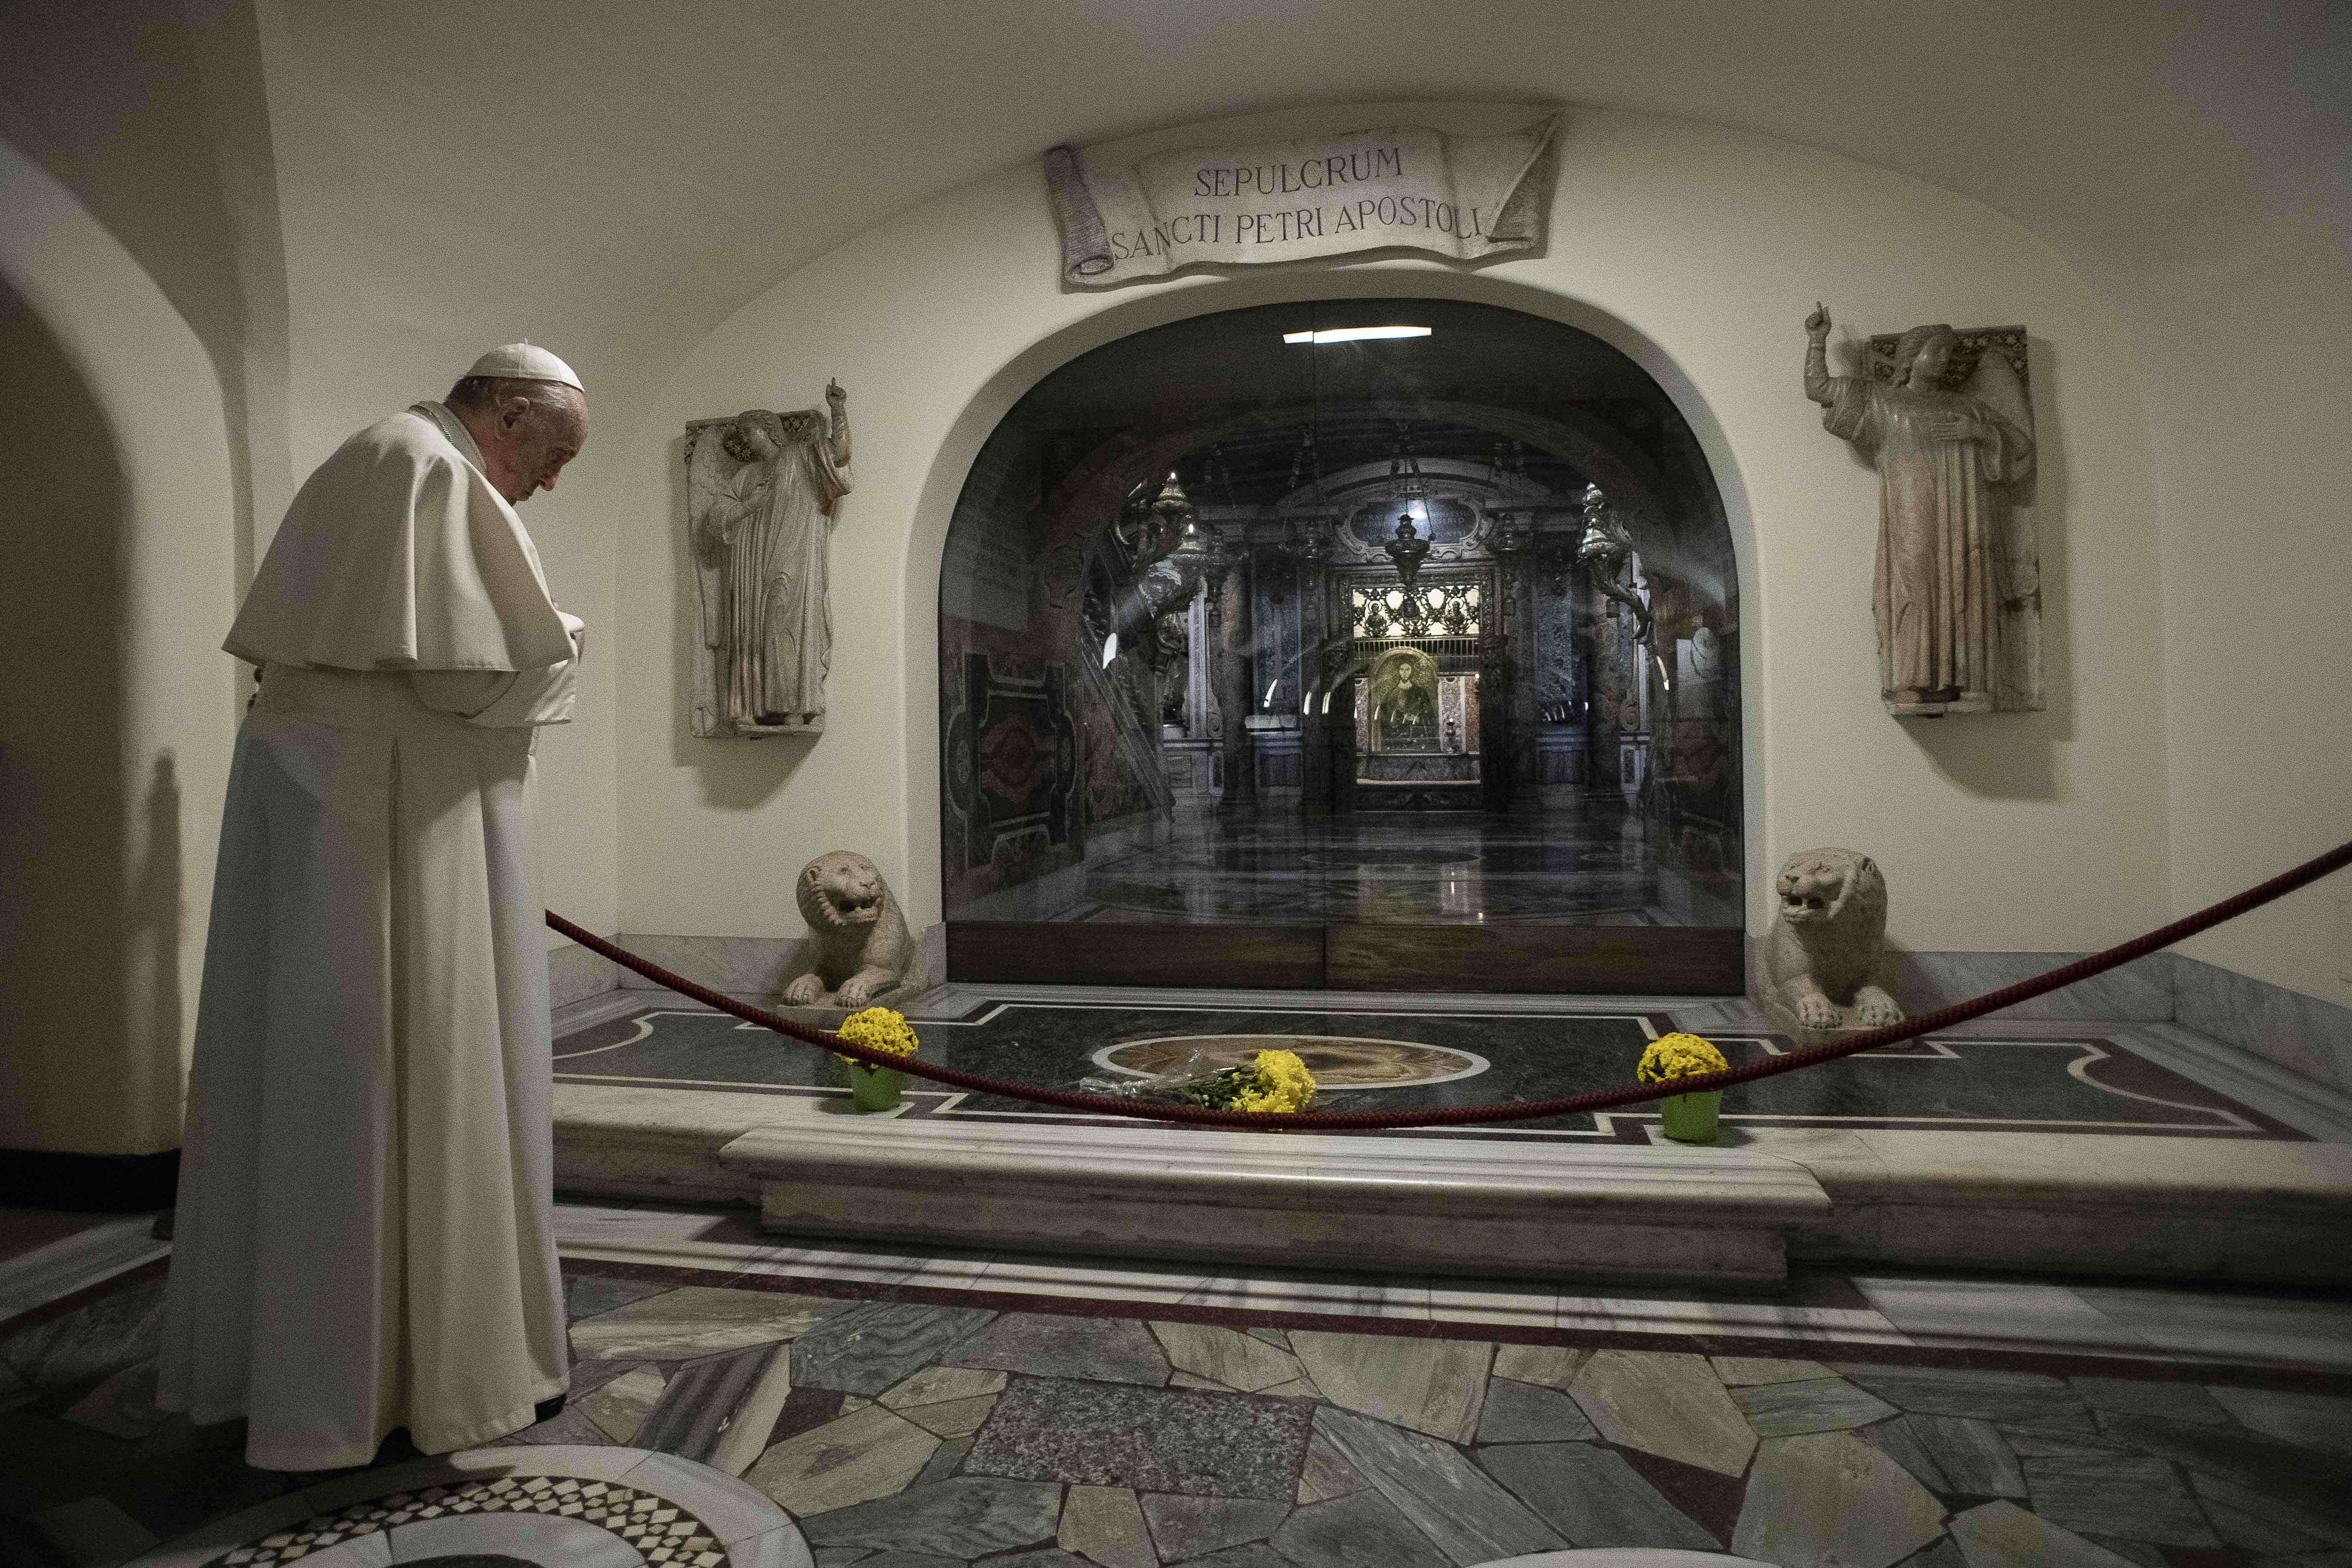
<point x="117" y="1089"/>
<point x="1697" y="250"/>
<point x="2251" y="353"/>
<point x="367" y="338"/>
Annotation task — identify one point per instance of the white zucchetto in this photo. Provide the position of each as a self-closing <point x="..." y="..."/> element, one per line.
<point x="524" y="362"/>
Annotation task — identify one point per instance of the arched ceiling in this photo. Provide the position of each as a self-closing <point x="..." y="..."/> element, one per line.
<point x="627" y="176"/>
<point x="620" y="177"/>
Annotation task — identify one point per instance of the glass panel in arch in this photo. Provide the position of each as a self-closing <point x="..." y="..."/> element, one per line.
<point x="1266" y="617"/>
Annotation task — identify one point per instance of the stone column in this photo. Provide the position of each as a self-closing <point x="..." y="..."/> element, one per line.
<point x="1197" y="662"/>
<point x="1525" y="792"/>
<point x="1233" y="672"/>
<point x="1314" y="632"/>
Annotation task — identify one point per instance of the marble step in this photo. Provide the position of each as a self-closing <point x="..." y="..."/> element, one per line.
<point x="2253" y="1210"/>
<point x="1308" y="1199"/>
<point x="2203" y="1208"/>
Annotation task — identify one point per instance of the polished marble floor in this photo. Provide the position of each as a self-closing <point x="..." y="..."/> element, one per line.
<point x="2085" y="1080"/>
<point x="935" y="1411"/>
<point x="1596" y="865"/>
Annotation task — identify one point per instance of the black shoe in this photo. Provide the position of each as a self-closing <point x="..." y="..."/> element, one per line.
<point x="395" y="1449"/>
<point x="548" y="1409"/>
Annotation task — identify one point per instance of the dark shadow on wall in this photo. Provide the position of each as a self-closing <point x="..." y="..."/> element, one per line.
<point x="65" y="811"/>
<point x="155" y="920"/>
<point x="157" y="119"/>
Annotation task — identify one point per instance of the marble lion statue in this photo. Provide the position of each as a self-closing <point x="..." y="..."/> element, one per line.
<point x="1820" y="963"/>
<point x="862" y="949"/>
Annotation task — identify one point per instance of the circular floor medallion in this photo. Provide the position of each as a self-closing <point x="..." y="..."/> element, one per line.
<point x="1337" y="1062"/>
<point x="567" y="1520"/>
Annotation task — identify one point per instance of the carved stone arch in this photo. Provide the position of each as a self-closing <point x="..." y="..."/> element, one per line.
<point x="1096" y="487"/>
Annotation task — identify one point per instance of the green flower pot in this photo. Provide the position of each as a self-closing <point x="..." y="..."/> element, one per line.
<point x="1690" y="1118"/>
<point x="874" y="1089"/>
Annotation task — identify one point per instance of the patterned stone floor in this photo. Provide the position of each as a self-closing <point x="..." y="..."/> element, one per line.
<point x="907" y="1428"/>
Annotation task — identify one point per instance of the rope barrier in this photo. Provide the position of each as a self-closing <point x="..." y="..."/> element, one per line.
<point x="2067" y="974"/>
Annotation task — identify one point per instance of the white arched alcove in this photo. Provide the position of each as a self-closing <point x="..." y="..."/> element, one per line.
<point x="118" y="727"/>
<point x="1693" y="250"/>
<point x="1125" y="314"/>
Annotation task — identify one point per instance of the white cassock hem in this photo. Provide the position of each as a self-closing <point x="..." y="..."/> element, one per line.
<point x="365" y="1233"/>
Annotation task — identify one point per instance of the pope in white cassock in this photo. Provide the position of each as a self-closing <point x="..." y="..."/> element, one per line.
<point x="365" y="1237"/>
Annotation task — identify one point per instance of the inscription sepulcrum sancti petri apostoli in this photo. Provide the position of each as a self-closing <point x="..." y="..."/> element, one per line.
<point x="1946" y="419"/>
<point x="761" y="493"/>
<point x="1407" y="187"/>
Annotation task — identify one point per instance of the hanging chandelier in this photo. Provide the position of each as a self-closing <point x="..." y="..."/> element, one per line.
<point x="1408" y="493"/>
<point x="1307" y="533"/>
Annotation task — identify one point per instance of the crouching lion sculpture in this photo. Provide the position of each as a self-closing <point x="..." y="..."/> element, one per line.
<point x="1820" y="963"/>
<point x="861" y="950"/>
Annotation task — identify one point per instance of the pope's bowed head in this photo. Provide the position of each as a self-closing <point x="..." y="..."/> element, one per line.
<point x="527" y="412"/>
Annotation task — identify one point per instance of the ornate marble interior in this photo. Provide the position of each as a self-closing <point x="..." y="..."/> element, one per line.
<point x="1598" y="865"/>
<point x="1235" y="633"/>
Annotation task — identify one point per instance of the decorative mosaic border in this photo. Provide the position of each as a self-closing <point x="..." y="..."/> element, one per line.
<point x="659" y="1529"/>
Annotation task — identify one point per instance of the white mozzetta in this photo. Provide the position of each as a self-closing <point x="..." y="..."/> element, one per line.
<point x="1333" y="1200"/>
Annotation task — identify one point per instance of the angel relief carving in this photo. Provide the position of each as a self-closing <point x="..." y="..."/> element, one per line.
<point x="763" y="489"/>
<point x="1947" y="419"/>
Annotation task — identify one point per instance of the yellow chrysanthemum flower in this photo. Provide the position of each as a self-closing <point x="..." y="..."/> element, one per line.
<point x="1678" y="1055"/>
<point x="878" y="1029"/>
<point x="1282" y="1084"/>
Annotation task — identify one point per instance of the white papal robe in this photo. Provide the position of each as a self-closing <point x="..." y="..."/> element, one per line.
<point x="365" y="1237"/>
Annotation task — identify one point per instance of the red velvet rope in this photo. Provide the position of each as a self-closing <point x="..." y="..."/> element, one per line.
<point x="2205" y="919"/>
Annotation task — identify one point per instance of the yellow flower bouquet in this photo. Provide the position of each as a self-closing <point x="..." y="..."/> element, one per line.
<point x="1689" y="1118"/>
<point x="877" y="1030"/>
<point x="1278" y="1080"/>
<point x="1270" y="1080"/>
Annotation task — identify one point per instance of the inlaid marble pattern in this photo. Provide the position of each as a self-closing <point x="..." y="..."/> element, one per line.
<point x="2071" y="1085"/>
<point x="1437" y="1448"/>
<point x="645" y="1522"/>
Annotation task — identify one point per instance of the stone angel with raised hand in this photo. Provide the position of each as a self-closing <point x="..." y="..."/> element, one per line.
<point x="761" y="503"/>
<point x="1941" y="455"/>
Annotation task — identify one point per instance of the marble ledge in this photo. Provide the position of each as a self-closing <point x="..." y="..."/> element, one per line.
<point x="2306" y="1035"/>
<point x="574" y="974"/>
<point x="2138" y="992"/>
<point x="2217" y="1208"/>
<point x="1308" y="1199"/>
<point x="746" y="965"/>
<point x="623" y="1140"/>
<point x="753" y="966"/>
<point x="2304" y="1103"/>
<point x="1367" y="1174"/>
<point x="35" y="1279"/>
<point x="962" y="998"/>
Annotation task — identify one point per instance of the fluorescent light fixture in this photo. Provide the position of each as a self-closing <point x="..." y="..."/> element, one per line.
<point x="1354" y="335"/>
